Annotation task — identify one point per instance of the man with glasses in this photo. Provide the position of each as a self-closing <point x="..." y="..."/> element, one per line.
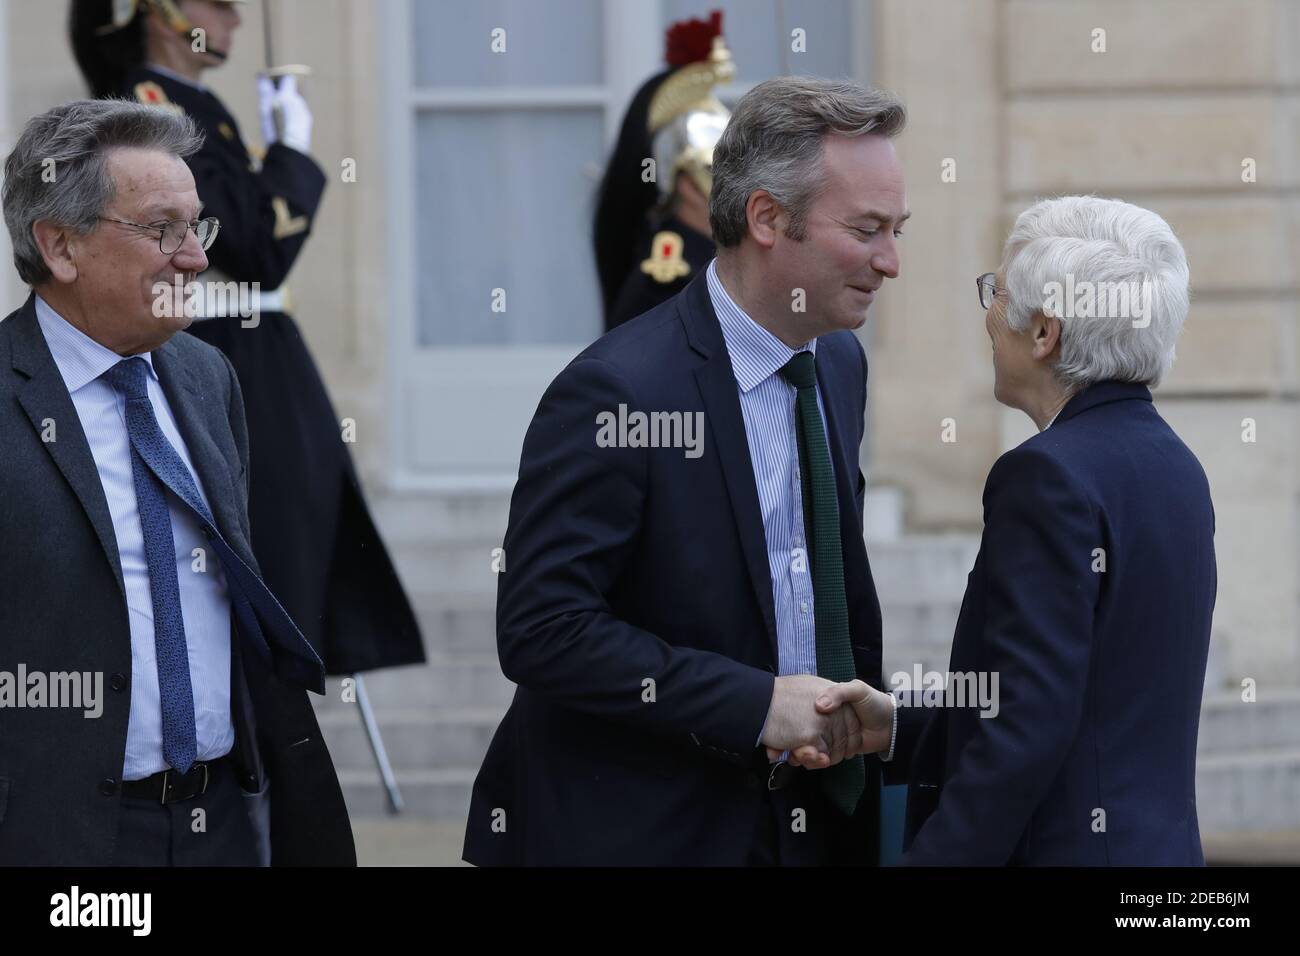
<point x="317" y="543"/>
<point x="124" y="513"/>
<point x="171" y="232"/>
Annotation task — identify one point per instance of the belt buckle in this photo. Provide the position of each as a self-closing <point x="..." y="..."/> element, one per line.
<point x="166" y="784"/>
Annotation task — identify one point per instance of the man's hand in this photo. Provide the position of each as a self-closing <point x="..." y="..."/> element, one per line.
<point x="794" y="722"/>
<point x="874" y="710"/>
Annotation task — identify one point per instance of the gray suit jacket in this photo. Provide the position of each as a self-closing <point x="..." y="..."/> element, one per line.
<point x="63" y="608"/>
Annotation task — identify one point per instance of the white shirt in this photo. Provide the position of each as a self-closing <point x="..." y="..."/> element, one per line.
<point x="205" y="604"/>
<point x="767" y="405"/>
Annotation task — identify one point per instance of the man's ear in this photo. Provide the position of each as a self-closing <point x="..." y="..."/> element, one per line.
<point x="57" y="249"/>
<point x="765" y="216"/>
<point x="1047" y="335"/>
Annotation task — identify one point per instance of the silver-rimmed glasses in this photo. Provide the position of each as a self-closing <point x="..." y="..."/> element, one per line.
<point x="987" y="288"/>
<point x="171" y="234"/>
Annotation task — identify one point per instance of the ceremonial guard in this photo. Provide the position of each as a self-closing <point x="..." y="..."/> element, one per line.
<point x="651" y="232"/>
<point x="313" y="535"/>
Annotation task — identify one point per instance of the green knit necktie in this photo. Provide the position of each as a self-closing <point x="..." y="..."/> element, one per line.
<point x="845" y="782"/>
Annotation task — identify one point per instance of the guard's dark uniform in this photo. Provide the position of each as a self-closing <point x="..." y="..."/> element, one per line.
<point x="645" y="255"/>
<point x="672" y="254"/>
<point x="312" y="533"/>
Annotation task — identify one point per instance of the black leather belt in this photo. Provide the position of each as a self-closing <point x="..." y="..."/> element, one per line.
<point x="172" y="786"/>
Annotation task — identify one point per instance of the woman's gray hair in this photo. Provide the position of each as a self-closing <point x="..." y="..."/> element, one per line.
<point x="58" y="170"/>
<point x="774" y="143"/>
<point x="1113" y="273"/>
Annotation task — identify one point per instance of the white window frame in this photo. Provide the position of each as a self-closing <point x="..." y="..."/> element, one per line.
<point x="633" y="48"/>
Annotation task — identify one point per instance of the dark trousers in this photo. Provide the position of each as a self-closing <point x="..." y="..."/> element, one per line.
<point x="212" y="829"/>
<point x="801" y="828"/>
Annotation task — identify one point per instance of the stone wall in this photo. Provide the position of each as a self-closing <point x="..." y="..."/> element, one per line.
<point x="1185" y="92"/>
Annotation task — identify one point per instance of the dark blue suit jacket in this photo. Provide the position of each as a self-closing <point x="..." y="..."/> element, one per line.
<point x="1091" y="758"/>
<point x="63" y="607"/>
<point x="628" y="565"/>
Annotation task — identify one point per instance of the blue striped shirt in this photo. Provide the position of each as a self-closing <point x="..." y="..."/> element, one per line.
<point x="205" y="604"/>
<point x="767" y="402"/>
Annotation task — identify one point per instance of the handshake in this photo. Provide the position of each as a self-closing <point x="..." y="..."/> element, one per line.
<point x="821" y="722"/>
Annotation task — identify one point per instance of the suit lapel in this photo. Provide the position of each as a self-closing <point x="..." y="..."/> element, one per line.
<point x="193" y="413"/>
<point x="843" y="464"/>
<point x="717" y="384"/>
<point x="44" y="397"/>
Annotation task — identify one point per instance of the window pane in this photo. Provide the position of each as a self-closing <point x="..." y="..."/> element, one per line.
<point x="555" y="43"/>
<point x="757" y="38"/>
<point x="503" y="203"/>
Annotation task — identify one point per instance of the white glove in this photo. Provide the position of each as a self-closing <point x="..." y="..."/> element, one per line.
<point x="285" y="115"/>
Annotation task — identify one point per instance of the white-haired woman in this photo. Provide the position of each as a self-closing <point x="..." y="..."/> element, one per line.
<point x="1088" y="610"/>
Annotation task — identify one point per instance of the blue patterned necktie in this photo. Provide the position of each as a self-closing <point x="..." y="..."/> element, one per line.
<point x="155" y="463"/>
<point x="179" y="741"/>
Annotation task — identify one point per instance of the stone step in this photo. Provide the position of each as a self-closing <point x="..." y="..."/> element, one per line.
<point x="422" y="517"/>
<point x="1230" y="725"/>
<point x="465" y="626"/>
<point x="436" y="753"/>
<point x="1240" y="793"/>
<point x="466" y="623"/>
<point x="922" y="569"/>
<point x="1251" y="790"/>
<point x="906" y="573"/>
<point x="441" y="794"/>
<point x="465" y="732"/>
<point x="445" y="683"/>
<point x="443" y="545"/>
<point x="413" y="739"/>
<point x="446" y="571"/>
<point x="919" y="626"/>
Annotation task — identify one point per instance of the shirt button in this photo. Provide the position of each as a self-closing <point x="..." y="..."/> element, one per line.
<point x="803" y="606"/>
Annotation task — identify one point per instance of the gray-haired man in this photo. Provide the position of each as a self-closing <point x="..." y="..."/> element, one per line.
<point x="124" y="485"/>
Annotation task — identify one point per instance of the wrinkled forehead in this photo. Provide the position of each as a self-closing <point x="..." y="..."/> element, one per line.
<point x="152" y="183"/>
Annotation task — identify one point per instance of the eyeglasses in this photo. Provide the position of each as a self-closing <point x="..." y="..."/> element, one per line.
<point x="987" y="289"/>
<point x="171" y="234"/>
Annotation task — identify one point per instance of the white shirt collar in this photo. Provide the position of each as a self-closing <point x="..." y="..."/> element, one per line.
<point x="756" y="354"/>
<point x="80" y="358"/>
